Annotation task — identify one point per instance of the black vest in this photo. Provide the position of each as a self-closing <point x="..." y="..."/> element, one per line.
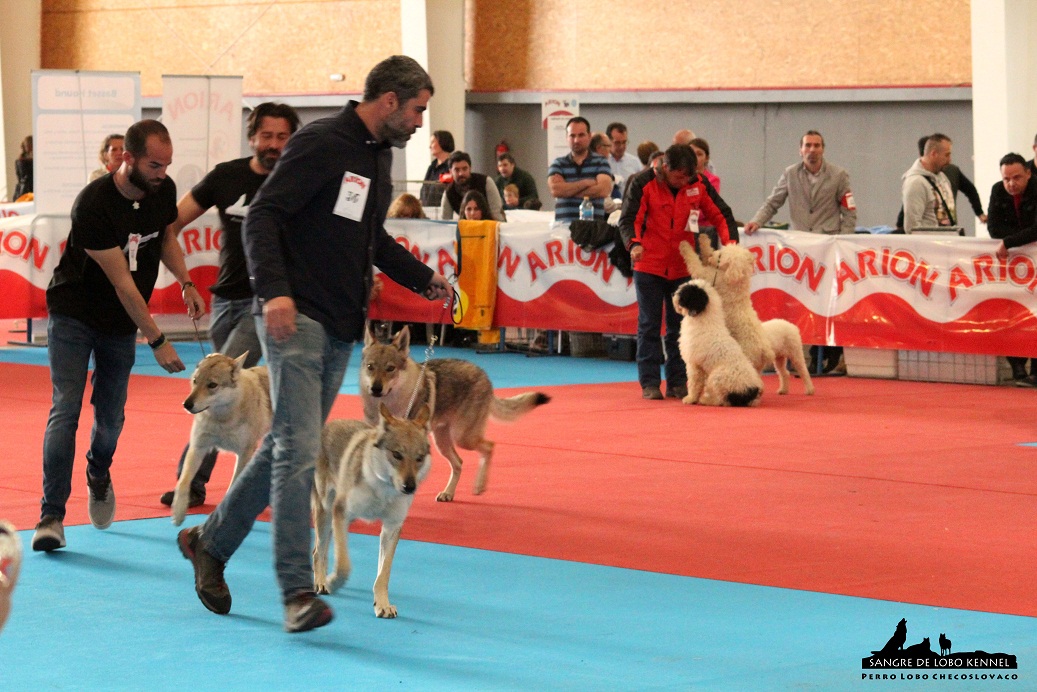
<point x="477" y="182"/>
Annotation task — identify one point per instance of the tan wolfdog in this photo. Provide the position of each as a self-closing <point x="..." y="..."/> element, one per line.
<point x="231" y="408"/>
<point x="459" y="394"/>
<point x="371" y="473"/>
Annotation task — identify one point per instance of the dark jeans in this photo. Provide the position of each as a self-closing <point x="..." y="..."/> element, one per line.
<point x="654" y="299"/>
<point x="70" y="345"/>
<point x="306" y="371"/>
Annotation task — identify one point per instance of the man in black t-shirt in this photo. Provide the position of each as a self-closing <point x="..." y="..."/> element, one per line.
<point x="97" y="300"/>
<point x="230" y="187"/>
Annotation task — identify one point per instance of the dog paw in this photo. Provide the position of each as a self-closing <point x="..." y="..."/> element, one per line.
<point x="445" y="497"/>
<point x="335" y="583"/>
<point x="385" y="610"/>
<point x="783" y="390"/>
<point x="689" y="400"/>
<point x="809" y="391"/>
<point x="179" y="510"/>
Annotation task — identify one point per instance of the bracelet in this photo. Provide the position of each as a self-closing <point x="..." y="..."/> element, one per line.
<point x="158" y="343"/>
<point x="186" y="285"/>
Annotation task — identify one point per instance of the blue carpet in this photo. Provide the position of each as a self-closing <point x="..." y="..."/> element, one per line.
<point x="506" y="370"/>
<point x="116" y="610"/>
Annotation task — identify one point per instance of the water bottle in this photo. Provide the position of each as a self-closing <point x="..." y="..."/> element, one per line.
<point x="586" y="210"/>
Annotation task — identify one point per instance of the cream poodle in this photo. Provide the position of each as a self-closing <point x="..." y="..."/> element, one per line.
<point x="730" y="270"/>
<point x="719" y="374"/>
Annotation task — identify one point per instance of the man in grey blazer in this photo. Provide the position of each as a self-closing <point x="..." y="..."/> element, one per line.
<point x="819" y="195"/>
<point x="820" y="201"/>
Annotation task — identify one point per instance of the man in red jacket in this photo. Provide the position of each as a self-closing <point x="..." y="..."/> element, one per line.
<point x="672" y="207"/>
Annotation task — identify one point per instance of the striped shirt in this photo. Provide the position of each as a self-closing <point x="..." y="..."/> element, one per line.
<point x="568" y="208"/>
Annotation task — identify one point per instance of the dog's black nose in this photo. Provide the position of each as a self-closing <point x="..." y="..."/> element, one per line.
<point x="188" y="404"/>
<point x="409" y="486"/>
<point x="376" y="390"/>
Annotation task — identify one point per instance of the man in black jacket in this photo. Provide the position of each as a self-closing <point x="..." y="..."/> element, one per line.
<point x="311" y="236"/>
<point x="1012" y="218"/>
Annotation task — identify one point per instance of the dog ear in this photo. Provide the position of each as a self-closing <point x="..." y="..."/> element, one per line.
<point x="239" y="362"/>
<point x="423" y="416"/>
<point x="402" y="339"/>
<point x="736" y="262"/>
<point x="386" y="413"/>
<point x="692" y="298"/>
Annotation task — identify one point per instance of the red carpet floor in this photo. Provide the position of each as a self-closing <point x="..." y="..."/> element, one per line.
<point x="894" y="490"/>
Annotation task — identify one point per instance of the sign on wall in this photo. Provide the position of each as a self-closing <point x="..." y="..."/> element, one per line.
<point x="555" y="113"/>
<point x="73" y="112"/>
<point x="203" y="114"/>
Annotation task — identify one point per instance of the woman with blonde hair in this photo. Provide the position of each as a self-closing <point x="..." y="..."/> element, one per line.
<point x="406" y="206"/>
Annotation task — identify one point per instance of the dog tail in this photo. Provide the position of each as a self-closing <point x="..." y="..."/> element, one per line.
<point x="513" y="407"/>
<point x="743" y="398"/>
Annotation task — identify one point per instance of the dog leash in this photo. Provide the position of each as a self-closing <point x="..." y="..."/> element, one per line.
<point x="430" y="351"/>
<point x="198" y="337"/>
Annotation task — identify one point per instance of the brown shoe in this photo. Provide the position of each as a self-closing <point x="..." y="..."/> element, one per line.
<point x="304" y="612"/>
<point x="652" y="392"/>
<point x="678" y="392"/>
<point x="209" y="584"/>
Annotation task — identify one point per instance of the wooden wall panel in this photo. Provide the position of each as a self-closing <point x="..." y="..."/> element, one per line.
<point x="543" y="45"/>
<point x="283" y="47"/>
<point x="291" y="46"/>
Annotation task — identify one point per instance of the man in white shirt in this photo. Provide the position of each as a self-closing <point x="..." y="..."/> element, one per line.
<point x="624" y="166"/>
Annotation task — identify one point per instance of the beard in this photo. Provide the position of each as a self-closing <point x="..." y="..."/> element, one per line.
<point x="395" y="131"/>
<point x="268" y="158"/>
<point x="148" y="187"/>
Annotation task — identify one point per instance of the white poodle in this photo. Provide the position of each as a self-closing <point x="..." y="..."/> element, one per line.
<point x="719" y="374"/>
<point x="730" y="270"/>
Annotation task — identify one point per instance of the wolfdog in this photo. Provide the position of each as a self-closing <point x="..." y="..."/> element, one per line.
<point x="371" y="473"/>
<point x="459" y="394"/>
<point x="231" y="407"/>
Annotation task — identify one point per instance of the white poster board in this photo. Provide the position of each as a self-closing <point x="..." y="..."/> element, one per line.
<point x="555" y="113"/>
<point x="73" y="112"/>
<point x="203" y="115"/>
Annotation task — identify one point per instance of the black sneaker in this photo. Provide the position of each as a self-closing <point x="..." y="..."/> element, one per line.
<point x="304" y="611"/>
<point x="677" y="391"/>
<point x="101" y="503"/>
<point x="1030" y="381"/>
<point x="50" y="535"/>
<point x="209" y="584"/>
<point x="196" y="499"/>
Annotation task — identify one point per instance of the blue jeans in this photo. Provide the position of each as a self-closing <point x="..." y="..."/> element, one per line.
<point x="655" y="298"/>
<point x="70" y="345"/>
<point x="306" y="371"/>
<point x="233" y="331"/>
